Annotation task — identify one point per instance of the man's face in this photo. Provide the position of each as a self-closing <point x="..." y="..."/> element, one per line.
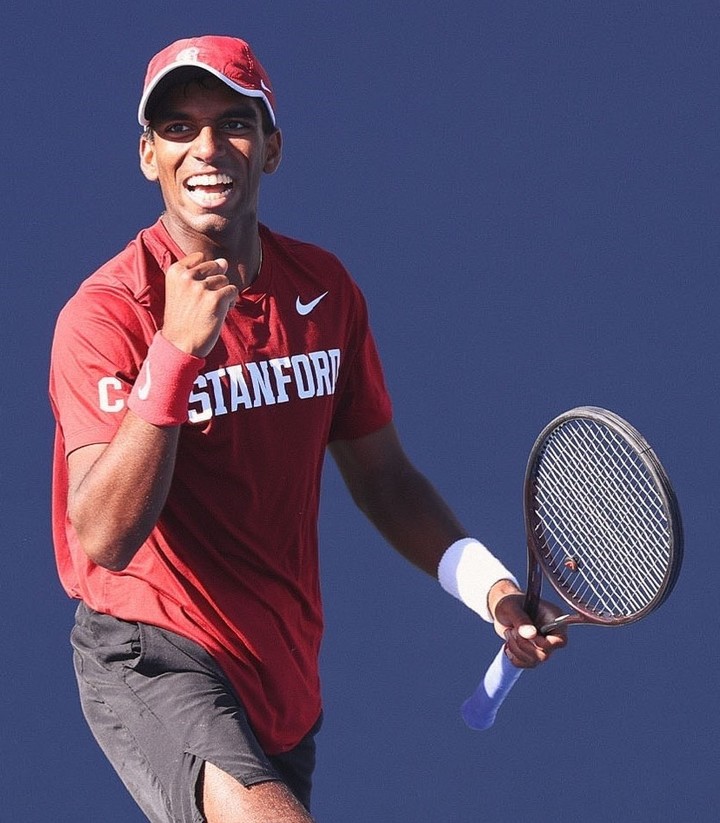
<point x="208" y="152"/>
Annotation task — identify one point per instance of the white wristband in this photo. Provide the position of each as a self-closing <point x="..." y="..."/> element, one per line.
<point x="468" y="571"/>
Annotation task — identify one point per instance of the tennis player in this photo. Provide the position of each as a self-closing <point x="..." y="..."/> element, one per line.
<point x="197" y="379"/>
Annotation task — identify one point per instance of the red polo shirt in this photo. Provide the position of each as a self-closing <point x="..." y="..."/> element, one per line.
<point x="232" y="562"/>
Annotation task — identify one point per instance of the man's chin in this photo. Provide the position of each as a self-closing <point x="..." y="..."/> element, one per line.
<point x="206" y="223"/>
<point x="210" y="223"/>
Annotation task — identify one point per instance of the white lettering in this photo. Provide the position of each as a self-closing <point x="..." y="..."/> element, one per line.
<point x="278" y="364"/>
<point x="239" y="393"/>
<point x="203" y="398"/>
<point x="304" y="380"/>
<point x="260" y="378"/>
<point x="334" y="355"/>
<point x="105" y="384"/>
<point x="321" y="363"/>
<point x="214" y="377"/>
<point x="246" y="385"/>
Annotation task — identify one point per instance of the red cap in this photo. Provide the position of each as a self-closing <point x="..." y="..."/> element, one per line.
<point x="228" y="58"/>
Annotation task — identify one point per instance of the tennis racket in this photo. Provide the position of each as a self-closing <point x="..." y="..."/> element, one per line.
<point x="603" y="526"/>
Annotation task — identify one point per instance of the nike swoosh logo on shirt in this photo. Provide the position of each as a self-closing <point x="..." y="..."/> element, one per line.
<point x="306" y="308"/>
<point x="144" y="390"/>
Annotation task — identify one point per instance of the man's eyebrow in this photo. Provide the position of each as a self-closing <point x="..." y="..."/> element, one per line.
<point x="241" y="112"/>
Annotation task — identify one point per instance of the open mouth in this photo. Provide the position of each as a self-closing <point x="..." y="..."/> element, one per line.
<point x="209" y="189"/>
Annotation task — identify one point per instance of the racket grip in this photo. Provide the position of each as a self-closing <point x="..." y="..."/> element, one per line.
<point x="480" y="709"/>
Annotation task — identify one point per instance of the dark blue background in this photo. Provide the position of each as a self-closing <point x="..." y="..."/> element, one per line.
<point x="528" y="194"/>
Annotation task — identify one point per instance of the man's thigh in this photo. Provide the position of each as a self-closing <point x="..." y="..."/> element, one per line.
<point x="224" y="800"/>
<point x="159" y="707"/>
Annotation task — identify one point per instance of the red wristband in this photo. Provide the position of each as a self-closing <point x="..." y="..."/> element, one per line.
<point x="162" y="389"/>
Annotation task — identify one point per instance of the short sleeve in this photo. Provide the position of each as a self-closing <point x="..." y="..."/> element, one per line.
<point x="364" y="404"/>
<point x="100" y="342"/>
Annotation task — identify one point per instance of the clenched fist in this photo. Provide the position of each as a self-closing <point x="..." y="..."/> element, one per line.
<point x="198" y="296"/>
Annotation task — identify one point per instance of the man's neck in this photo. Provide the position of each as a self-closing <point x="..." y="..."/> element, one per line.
<point x="242" y="249"/>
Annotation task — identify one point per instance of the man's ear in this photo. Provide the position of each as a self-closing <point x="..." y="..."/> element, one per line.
<point x="273" y="152"/>
<point x="147" y="158"/>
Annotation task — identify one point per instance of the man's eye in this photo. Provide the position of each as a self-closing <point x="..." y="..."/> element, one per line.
<point x="235" y="125"/>
<point x="176" y="128"/>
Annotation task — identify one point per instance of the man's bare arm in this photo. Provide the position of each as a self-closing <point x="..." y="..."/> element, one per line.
<point x="413" y="517"/>
<point x="117" y="490"/>
<point x="398" y="499"/>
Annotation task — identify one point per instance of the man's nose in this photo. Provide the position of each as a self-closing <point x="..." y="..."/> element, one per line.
<point x="206" y="144"/>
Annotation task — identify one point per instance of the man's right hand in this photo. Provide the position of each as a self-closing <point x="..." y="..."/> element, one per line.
<point x="198" y="296"/>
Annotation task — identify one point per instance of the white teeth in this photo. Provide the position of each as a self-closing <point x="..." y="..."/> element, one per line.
<point x="209" y="180"/>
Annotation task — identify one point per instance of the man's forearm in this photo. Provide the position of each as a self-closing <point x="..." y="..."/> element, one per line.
<point x="118" y="491"/>
<point x="412" y="516"/>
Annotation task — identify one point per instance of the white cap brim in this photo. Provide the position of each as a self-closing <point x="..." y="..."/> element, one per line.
<point x="151" y="87"/>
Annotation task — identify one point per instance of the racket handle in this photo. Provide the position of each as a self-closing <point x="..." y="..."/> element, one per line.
<point x="480" y="709"/>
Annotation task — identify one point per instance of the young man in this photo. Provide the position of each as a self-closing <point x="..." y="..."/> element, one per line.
<point x="197" y="379"/>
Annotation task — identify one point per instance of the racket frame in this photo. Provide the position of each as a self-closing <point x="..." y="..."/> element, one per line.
<point x="480" y="709"/>
<point x="539" y="567"/>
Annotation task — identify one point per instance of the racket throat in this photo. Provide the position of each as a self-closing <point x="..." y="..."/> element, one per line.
<point x="557" y="623"/>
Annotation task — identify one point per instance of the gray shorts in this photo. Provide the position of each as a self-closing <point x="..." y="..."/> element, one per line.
<point x="159" y="707"/>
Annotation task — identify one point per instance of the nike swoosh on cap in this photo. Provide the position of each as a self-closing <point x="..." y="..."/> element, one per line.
<point x="306" y="308"/>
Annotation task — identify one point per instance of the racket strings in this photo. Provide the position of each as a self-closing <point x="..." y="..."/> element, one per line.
<point x="635" y="508"/>
<point x="600" y="520"/>
<point x="616" y="537"/>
